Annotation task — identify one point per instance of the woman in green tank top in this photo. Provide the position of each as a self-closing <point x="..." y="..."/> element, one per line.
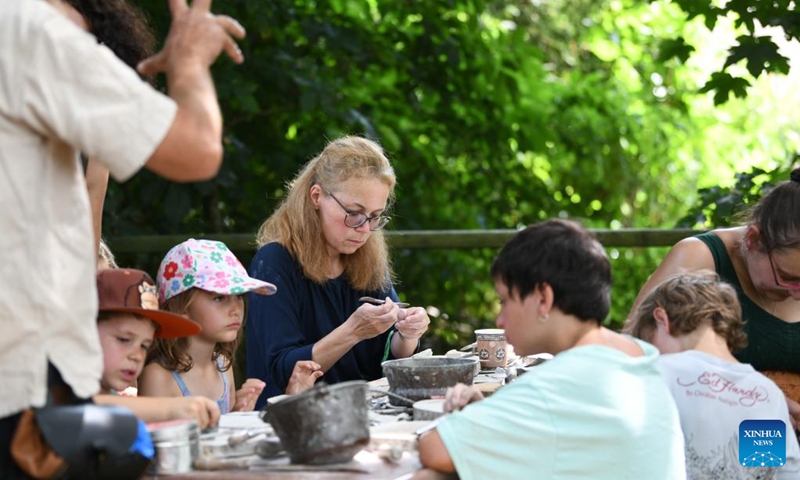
<point x="761" y="259"/>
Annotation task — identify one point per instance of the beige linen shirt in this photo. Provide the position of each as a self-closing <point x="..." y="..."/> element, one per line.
<point x="60" y="92"/>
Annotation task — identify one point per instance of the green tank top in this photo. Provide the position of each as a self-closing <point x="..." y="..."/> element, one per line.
<point x="772" y="344"/>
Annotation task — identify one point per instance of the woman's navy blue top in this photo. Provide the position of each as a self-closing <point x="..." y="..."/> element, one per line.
<point x="282" y="328"/>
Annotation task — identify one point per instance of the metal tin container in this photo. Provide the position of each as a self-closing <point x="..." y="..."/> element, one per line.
<point x="177" y="445"/>
<point x="323" y="425"/>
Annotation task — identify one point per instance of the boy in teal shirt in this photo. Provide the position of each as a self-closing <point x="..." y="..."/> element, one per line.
<point x="598" y="410"/>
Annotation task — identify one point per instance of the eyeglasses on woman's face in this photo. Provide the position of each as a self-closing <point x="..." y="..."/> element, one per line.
<point x="795" y="285"/>
<point x="354" y="219"/>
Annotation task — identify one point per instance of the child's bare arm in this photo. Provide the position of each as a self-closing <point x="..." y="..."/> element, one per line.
<point x="794" y="412"/>
<point x="97" y="185"/>
<point x="433" y="454"/>
<point x="161" y="409"/>
<point x="304" y="375"/>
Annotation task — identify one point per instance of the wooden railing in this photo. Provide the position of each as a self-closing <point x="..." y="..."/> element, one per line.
<point x="415" y="239"/>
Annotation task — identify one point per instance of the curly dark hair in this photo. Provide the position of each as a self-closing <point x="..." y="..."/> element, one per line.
<point x="120" y="26"/>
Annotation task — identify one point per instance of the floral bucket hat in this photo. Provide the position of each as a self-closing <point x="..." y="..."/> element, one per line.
<point x="208" y="265"/>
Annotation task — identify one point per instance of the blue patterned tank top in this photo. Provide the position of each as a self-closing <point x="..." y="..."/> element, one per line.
<point x="223" y="402"/>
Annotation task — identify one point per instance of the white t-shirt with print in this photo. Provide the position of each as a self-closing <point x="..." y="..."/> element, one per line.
<point x="713" y="398"/>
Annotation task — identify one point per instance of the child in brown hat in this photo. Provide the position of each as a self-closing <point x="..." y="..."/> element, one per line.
<point x="128" y="323"/>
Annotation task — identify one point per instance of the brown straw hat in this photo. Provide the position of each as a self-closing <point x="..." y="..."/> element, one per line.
<point x="133" y="291"/>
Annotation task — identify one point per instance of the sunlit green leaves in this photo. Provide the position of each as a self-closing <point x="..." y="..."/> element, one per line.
<point x="723" y="84"/>
<point x="704" y="8"/>
<point x="720" y="206"/>
<point x="761" y="54"/>
<point x="674" y="48"/>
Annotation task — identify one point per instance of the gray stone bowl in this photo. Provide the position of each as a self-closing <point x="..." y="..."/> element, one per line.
<point x="421" y="378"/>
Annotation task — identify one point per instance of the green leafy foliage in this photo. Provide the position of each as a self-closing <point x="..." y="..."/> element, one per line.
<point x="674" y="48"/>
<point x="723" y="206"/>
<point x="759" y="52"/>
<point x="497" y="114"/>
<point x="723" y="84"/>
<point x="761" y="55"/>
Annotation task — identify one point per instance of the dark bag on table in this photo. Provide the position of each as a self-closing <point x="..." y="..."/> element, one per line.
<point x="85" y="441"/>
<point x="32" y="454"/>
<point x="71" y="438"/>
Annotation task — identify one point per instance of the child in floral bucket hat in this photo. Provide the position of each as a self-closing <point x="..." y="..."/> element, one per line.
<point x="203" y="280"/>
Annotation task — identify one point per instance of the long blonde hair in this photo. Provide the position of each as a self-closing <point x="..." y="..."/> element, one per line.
<point x="296" y="224"/>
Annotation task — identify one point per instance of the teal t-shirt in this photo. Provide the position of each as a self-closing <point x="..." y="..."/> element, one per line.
<point x="591" y="412"/>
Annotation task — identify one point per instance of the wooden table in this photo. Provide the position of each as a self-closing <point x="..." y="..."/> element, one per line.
<point x="365" y="465"/>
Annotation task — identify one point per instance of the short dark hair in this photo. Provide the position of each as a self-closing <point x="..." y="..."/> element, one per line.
<point x="564" y="255"/>
<point x="776" y="216"/>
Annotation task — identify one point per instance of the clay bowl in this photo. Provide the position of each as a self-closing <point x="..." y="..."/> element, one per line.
<point x="421" y="378"/>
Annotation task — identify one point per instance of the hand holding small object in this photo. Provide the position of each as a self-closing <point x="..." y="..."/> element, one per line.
<point x="204" y="410"/>
<point x="460" y="396"/>
<point x="412" y="323"/>
<point x="369" y="321"/>
<point x="378" y="301"/>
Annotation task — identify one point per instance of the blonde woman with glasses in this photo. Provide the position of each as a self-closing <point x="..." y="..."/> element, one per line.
<point x="324" y="249"/>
